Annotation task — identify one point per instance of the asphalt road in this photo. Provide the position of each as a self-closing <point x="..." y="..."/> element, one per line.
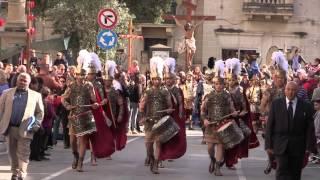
<point x="129" y="165"/>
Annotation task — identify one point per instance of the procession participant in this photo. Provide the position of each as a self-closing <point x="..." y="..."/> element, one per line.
<point x="251" y="141"/>
<point x="245" y="83"/>
<point x="79" y="98"/>
<point x="188" y="90"/>
<point x="287" y="133"/>
<point x="279" y="61"/>
<point x="219" y="68"/>
<point x="277" y="91"/>
<point x="101" y="142"/>
<point x="18" y="106"/>
<point x="216" y="105"/>
<point x="114" y="108"/>
<point x="119" y="83"/>
<point x="254" y="95"/>
<point x="232" y="65"/>
<point x="155" y="99"/>
<point x="202" y="89"/>
<point x="177" y="146"/>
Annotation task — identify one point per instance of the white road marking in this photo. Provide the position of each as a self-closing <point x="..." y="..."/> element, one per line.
<point x="62" y="171"/>
<point x="239" y="172"/>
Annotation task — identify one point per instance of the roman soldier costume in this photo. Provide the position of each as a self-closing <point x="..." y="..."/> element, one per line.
<point x="154" y="105"/>
<point x="176" y="146"/>
<point x="216" y="106"/>
<point x="80" y="98"/>
<point x="102" y="141"/>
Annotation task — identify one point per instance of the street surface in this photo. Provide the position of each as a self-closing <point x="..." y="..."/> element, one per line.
<point x="129" y="165"/>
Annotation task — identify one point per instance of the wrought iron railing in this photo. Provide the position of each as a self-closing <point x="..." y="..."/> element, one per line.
<point x="260" y="8"/>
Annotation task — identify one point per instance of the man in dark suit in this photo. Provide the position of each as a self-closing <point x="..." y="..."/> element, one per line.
<point x="289" y="122"/>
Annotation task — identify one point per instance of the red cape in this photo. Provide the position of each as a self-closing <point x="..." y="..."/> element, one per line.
<point x="120" y="133"/>
<point x="177" y="146"/>
<point x="102" y="141"/>
<point x="119" y="130"/>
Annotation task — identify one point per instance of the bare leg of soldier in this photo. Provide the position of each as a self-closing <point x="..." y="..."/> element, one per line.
<point x="211" y="152"/>
<point x="157" y="154"/>
<point x="82" y="150"/>
<point x="151" y="156"/>
<point x="219" y="153"/>
<point x="147" y="161"/>
<point x="74" y="147"/>
<point x="93" y="159"/>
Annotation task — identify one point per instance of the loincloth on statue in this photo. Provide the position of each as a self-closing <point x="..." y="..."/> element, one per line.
<point x="187" y="43"/>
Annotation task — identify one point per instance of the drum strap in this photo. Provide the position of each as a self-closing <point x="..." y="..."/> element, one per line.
<point x="174" y="98"/>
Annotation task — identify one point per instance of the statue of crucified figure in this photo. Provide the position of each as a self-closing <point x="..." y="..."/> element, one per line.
<point x="189" y="43"/>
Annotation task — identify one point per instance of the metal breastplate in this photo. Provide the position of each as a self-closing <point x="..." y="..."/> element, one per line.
<point x="218" y="105"/>
<point x="175" y="91"/>
<point x="254" y="95"/>
<point x="156" y="101"/>
<point x="80" y="95"/>
<point x="277" y="93"/>
<point x="99" y="87"/>
<point x="188" y="90"/>
<point x="237" y="98"/>
<point x="112" y="96"/>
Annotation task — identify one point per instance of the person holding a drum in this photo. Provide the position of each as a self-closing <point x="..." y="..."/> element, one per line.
<point x="177" y="145"/>
<point x="79" y="98"/>
<point x="154" y="105"/>
<point x="216" y="110"/>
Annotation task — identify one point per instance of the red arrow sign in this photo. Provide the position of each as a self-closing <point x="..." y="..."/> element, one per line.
<point x="107" y="18"/>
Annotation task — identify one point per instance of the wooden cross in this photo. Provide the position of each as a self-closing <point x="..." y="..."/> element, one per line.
<point x="189" y="17"/>
<point x="130" y="36"/>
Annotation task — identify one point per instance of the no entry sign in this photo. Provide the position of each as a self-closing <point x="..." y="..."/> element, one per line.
<point x="107" y="18"/>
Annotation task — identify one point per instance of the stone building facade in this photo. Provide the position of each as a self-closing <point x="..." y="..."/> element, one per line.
<point x="241" y="26"/>
<point x="246" y="26"/>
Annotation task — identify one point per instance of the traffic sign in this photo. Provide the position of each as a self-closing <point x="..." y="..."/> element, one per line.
<point x="107" y="39"/>
<point x="107" y="18"/>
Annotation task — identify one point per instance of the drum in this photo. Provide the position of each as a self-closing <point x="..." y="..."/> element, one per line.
<point x="165" y="129"/>
<point x="230" y="134"/>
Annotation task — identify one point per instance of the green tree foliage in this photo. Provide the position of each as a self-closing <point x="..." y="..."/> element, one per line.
<point x="78" y="19"/>
<point x="149" y="10"/>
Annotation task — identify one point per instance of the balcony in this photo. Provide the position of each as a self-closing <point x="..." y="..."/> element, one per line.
<point x="268" y="10"/>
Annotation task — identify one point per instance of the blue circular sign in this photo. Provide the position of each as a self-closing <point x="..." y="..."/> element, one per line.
<point x="107" y="39"/>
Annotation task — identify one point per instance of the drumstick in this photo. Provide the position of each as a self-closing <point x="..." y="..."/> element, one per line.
<point x="165" y="110"/>
<point x="88" y="105"/>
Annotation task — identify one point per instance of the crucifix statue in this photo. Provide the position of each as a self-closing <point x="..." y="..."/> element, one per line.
<point x="189" y="44"/>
